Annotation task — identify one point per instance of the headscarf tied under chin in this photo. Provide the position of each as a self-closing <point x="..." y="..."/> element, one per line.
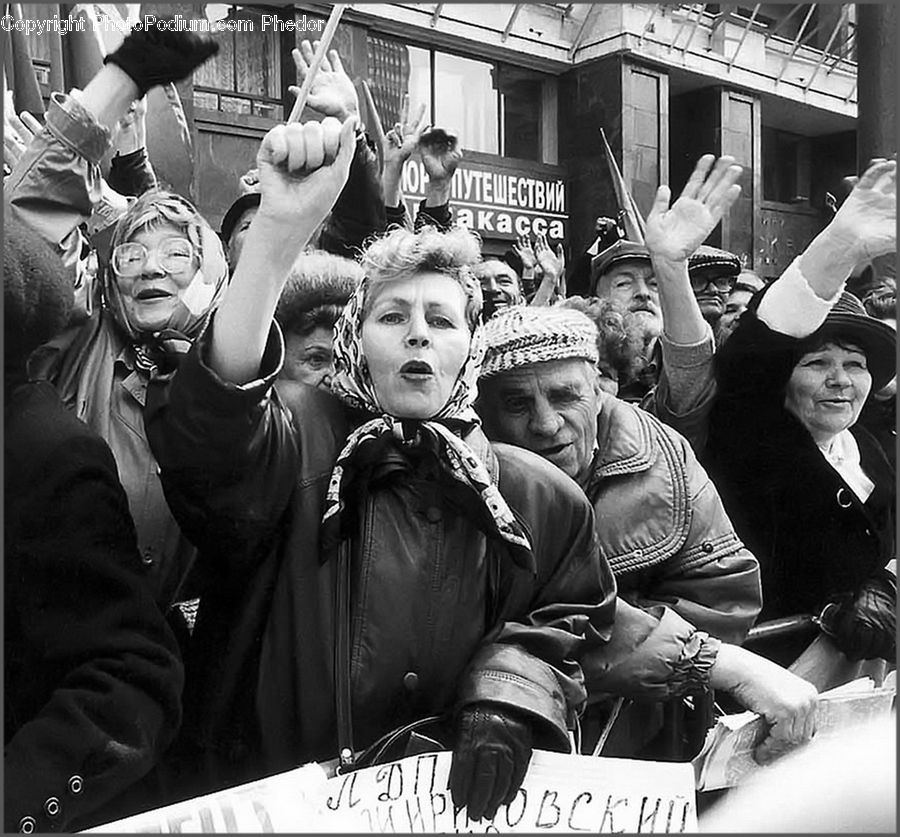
<point x="352" y="383"/>
<point x="196" y="302"/>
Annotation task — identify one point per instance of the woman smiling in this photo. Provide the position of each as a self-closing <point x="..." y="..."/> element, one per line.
<point x="168" y="271"/>
<point x="811" y="492"/>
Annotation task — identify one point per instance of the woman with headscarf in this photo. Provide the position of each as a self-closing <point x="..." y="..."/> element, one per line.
<point x="810" y="491"/>
<point x="376" y="559"/>
<point x="166" y="273"/>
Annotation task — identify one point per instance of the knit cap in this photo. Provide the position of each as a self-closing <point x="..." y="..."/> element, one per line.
<point x="524" y="335"/>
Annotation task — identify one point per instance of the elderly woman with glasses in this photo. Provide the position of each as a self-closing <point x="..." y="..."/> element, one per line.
<point x="810" y="491"/>
<point x="166" y="273"/>
<point x="375" y="559"/>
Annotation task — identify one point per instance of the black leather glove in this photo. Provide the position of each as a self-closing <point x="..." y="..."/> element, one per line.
<point x="493" y="748"/>
<point x="154" y="55"/>
<point x="864" y="625"/>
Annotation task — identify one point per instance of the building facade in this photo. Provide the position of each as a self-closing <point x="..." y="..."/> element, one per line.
<point x="528" y="88"/>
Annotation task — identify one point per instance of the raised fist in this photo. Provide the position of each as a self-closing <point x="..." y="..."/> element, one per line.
<point x="152" y="55"/>
<point x="302" y="168"/>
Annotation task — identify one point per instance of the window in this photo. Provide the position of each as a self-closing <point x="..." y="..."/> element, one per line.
<point x="495" y="108"/>
<point x="420" y="80"/>
<point x="244" y="77"/>
<point x="786" y="169"/>
<point x="521" y="93"/>
<point x="465" y="99"/>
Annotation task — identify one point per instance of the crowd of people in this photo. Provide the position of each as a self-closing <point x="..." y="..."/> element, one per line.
<point x="330" y="484"/>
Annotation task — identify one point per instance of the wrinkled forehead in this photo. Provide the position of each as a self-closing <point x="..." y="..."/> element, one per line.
<point x="534" y="378"/>
<point x="834" y="346"/>
<point x="156" y="229"/>
<point x="494" y="269"/>
<point x="428" y="288"/>
<point x="628" y="268"/>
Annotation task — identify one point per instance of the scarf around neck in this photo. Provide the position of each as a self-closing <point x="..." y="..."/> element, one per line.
<point x="352" y="383"/>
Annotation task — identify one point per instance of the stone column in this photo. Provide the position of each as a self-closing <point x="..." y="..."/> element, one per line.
<point x="876" y="48"/>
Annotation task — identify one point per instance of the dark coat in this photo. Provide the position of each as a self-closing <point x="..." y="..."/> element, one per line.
<point x="812" y="536"/>
<point x="359" y="211"/>
<point x="426" y="635"/>
<point x="93" y="680"/>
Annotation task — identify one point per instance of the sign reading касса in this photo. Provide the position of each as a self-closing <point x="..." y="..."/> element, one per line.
<point x="496" y="202"/>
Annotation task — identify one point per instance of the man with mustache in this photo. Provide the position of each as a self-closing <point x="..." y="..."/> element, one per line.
<point x="655" y="281"/>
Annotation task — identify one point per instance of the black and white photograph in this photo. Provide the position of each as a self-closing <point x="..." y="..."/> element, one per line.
<point x="450" y="418"/>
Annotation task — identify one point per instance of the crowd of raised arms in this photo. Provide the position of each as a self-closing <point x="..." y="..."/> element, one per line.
<point x="277" y="491"/>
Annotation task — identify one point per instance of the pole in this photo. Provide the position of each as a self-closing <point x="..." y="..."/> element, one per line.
<point x="324" y="44"/>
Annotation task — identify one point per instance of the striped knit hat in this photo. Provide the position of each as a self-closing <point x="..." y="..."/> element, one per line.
<point x="532" y="334"/>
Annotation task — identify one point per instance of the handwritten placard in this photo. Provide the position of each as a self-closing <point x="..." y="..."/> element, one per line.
<point x="284" y="803"/>
<point x="561" y="793"/>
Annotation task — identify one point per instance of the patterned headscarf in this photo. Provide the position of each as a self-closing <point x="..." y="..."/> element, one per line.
<point x="352" y="383"/>
<point x="199" y="298"/>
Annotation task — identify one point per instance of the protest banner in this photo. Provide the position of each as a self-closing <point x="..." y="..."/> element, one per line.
<point x="286" y="802"/>
<point x="561" y="793"/>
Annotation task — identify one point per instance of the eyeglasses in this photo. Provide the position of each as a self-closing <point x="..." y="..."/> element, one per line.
<point x="701" y="281"/>
<point x="173" y="255"/>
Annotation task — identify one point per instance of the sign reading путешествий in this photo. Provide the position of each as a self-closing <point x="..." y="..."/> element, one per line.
<point x="497" y="202"/>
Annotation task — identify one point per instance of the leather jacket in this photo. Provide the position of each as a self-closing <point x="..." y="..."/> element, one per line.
<point x="440" y="613"/>
<point x="663" y="528"/>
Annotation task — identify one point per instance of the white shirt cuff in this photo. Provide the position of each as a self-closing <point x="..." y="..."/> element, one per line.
<point x="792" y="307"/>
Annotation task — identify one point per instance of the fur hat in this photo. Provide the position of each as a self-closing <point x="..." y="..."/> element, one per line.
<point x="531" y="334"/>
<point x="38" y="292"/>
<point x="317" y="278"/>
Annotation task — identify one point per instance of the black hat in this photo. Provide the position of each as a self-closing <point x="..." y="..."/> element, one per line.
<point x="849" y="321"/>
<point x="235" y="211"/>
<point x="38" y="291"/>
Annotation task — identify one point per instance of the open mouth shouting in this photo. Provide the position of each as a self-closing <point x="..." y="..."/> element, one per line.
<point x="417" y="370"/>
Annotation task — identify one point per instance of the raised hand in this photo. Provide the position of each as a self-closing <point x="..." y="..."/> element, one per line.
<point x="249" y="181"/>
<point x="403" y="139"/>
<point x="867" y="219"/>
<point x="440" y="153"/>
<point x="131" y="130"/>
<point x="332" y="92"/>
<point x="157" y="55"/>
<point x="553" y="267"/>
<point x="675" y="233"/>
<point x="523" y="249"/>
<point x="18" y="132"/>
<point x="550" y="262"/>
<point x="302" y="169"/>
